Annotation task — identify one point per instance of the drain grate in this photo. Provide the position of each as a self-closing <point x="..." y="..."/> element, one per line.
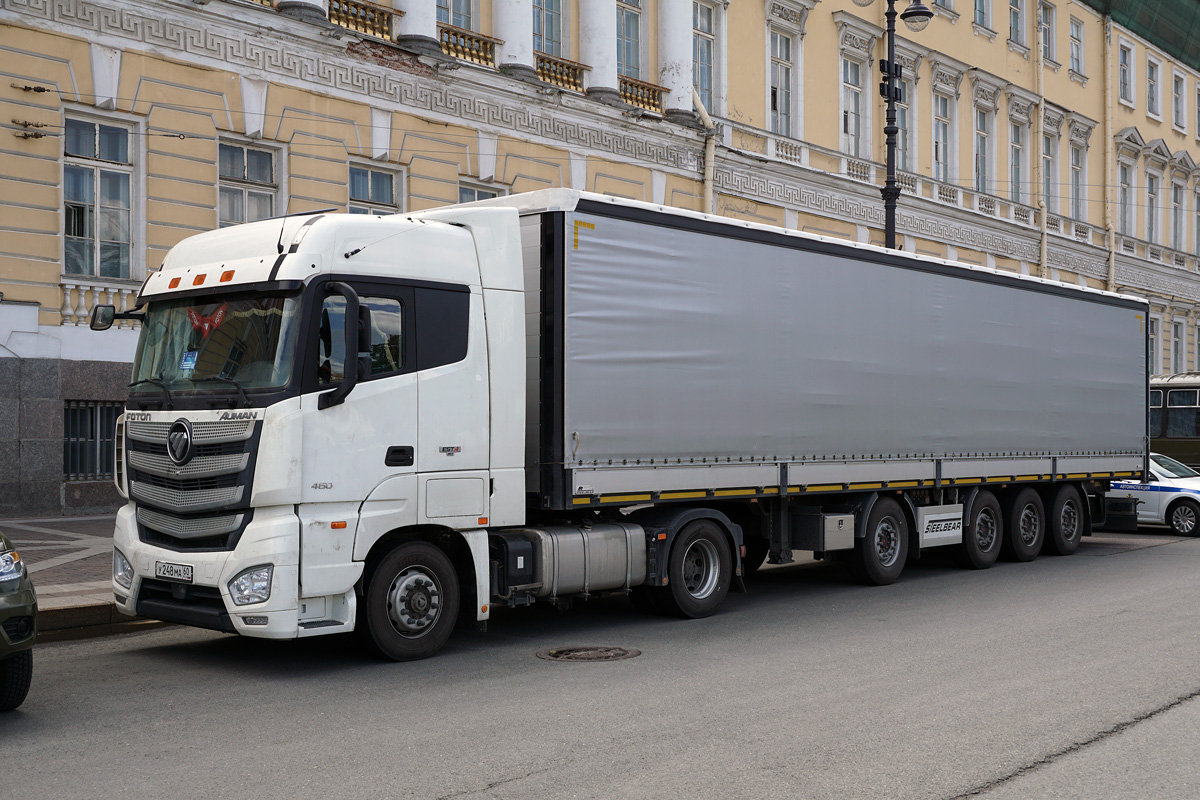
<point x="588" y="653"/>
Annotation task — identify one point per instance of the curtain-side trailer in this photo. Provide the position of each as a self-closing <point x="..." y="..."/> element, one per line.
<point x="560" y="394"/>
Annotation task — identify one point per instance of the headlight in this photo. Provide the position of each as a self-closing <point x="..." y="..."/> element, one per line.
<point x="122" y="569"/>
<point x="251" y="586"/>
<point x="11" y="566"/>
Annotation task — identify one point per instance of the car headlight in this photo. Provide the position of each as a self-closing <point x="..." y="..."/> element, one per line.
<point x="251" y="586"/>
<point x="122" y="569"/>
<point x="11" y="566"/>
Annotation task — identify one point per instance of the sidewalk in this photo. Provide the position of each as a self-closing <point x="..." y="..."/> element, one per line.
<point x="70" y="561"/>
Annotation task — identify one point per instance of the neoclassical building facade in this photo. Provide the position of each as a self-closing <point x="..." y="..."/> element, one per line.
<point x="1035" y="137"/>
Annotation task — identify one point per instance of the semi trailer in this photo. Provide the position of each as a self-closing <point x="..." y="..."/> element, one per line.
<point x="397" y="422"/>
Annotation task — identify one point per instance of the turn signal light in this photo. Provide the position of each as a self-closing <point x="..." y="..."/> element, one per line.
<point x="199" y="279"/>
<point x="483" y="520"/>
<point x="227" y="276"/>
<point x="174" y="282"/>
<point x="337" y="525"/>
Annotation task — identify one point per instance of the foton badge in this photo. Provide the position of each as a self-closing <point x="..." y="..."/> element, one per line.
<point x="179" y="442"/>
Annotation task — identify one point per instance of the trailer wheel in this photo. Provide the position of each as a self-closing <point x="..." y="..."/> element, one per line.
<point x="1065" y="523"/>
<point x="412" y="602"/>
<point x="1184" y="517"/>
<point x="983" y="533"/>
<point x="16" y="672"/>
<point x="1025" y="524"/>
<point x="879" y="556"/>
<point x="700" y="569"/>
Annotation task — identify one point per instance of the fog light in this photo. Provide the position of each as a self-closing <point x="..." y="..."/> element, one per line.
<point x="251" y="586"/>
<point x="254" y="620"/>
<point x="122" y="569"/>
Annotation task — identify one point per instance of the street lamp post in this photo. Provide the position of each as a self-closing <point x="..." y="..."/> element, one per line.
<point x="916" y="17"/>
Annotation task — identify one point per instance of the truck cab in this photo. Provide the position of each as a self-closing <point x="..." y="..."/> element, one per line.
<point x="272" y="441"/>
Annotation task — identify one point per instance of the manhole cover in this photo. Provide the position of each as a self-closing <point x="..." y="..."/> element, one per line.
<point x="588" y="653"/>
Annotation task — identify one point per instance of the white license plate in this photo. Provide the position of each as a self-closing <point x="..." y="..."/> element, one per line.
<point x="173" y="572"/>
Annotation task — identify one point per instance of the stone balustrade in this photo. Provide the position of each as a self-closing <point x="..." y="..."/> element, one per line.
<point x="81" y="295"/>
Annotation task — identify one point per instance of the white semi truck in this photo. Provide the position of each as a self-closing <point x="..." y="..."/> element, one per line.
<point x="397" y="422"/>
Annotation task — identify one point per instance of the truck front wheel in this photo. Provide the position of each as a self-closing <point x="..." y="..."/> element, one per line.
<point x="700" y="570"/>
<point x="412" y="602"/>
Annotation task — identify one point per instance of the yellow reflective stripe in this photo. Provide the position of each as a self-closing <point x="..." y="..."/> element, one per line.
<point x="829" y="487"/>
<point x="681" y="495"/>
<point x="957" y="481"/>
<point x="998" y="479"/>
<point x="903" y="484"/>
<point x="1028" y="477"/>
<point x="771" y="490"/>
<point x="1074" y="475"/>
<point x="624" y="498"/>
<point x="865" y="486"/>
<point x="581" y="501"/>
<point x="734" y="493"/>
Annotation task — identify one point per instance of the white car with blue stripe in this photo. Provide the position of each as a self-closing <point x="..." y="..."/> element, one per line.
<point x="1171" y="496"/>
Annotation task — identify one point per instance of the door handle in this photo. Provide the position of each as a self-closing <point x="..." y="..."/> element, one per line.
<point x="398" y="457"/>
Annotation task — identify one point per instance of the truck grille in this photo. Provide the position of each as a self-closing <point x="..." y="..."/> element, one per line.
<point x="202" y="505"/>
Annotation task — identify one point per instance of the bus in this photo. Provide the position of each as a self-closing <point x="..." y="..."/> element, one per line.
<point x="1175" y="416"/>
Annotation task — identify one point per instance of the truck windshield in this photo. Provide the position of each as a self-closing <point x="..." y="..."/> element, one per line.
<point x="211" y="344"/>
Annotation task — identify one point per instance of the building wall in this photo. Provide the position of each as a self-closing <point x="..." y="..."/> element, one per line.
<point x="183" y="79"/>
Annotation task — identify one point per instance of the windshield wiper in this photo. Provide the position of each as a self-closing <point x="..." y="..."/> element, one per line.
<point x="157" y="382"/>
<point x="231" y="382"/>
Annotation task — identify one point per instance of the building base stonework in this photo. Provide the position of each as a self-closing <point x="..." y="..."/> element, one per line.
<point x="33" y="397"/>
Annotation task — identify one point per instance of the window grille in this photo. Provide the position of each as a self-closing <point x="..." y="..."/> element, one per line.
<point x="89" y="439"/>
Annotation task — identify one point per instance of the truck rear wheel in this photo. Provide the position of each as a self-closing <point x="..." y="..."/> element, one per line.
<point x="412" y="602"/>
<point x="16" y="673"/>
<point x="700" y="569"/>
<point x="879" y="556"/>
<point x="983" y="532"/>
<point x="1066" y="522"/>
<point x="1025" y="523"/>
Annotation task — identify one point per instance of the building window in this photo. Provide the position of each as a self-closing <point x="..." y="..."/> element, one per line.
<point x="247" y="191"/>
<point x="1049" y="172"/>
<point x="1153" y="100"/>
<point x="1077" y="182"/>
<point x="781" y="83"/>
<point x="97" y="224"/>
<point x="1152" y="336"/>
<point x="1016" y="21"/>
<point x="1178" y="88"/>
<point x="1077" y="46"/>
<point x="1176" y="347"/>
<point x="1046" y="29"/>
<point x="89" y="439"/>
<point x="851" y="107"/>
<point x="1124" y="197"/>
<point x="468" y="193"/>
<point x="704" y="48"/>
<point x="547" y="27"/>
<point x="1125" y="70"/>
<point x="982" y="126"/>
<point x="983" y="13"/>
<point x="1016" y="154"/>
<point x="941" y="138"/>
<point x="902" y="122"/>
<point x="1152" y="182"/>
<point x="629" y="39"/>
<point x="1177" y="216"/>
<point x="454" y="12"/>
<point x="372" y="191"/>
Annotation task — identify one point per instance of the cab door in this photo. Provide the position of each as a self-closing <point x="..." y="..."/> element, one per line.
<point x="359" y="462"/>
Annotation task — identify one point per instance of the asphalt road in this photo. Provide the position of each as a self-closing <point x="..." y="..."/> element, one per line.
<point x="1066" y="677"/>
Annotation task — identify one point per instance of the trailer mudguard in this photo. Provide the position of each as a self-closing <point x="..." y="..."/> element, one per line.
<point x="663" y="523"/>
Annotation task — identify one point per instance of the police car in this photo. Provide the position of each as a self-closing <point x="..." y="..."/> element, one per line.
<point x="1171" y="496"/>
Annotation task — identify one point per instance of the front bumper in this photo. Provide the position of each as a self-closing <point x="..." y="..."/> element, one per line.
<point x="18" y="617"/>
<point x="272" y="537"/>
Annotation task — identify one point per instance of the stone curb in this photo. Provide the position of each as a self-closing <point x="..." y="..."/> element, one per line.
<point x="86" y="621"/>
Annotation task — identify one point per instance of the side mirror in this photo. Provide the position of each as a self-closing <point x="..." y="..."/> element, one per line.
<point x="353" y="337"/>
<point x="102" y="317"/>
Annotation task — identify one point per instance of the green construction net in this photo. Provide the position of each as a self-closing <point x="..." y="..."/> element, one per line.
<point x="1173" y="25"/>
